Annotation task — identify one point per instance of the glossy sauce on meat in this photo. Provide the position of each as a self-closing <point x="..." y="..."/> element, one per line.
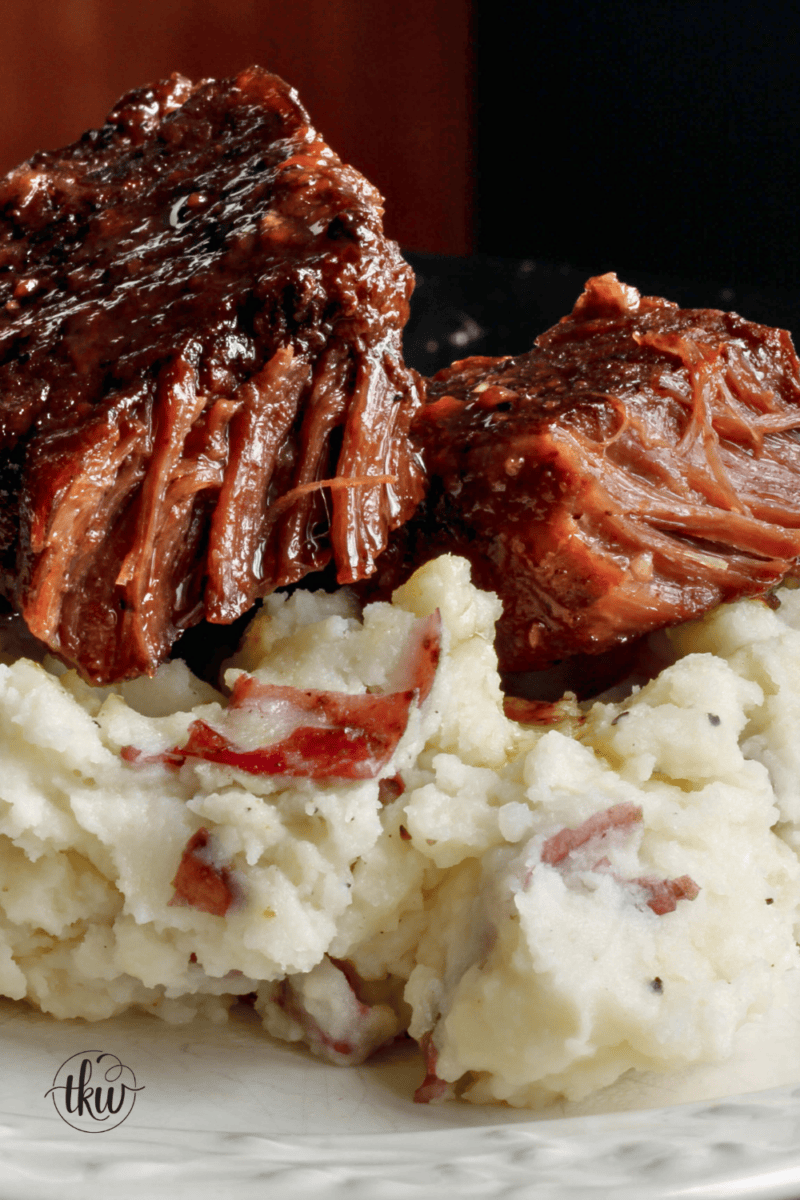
<point x="639" y="466"/>
<point x="200" y="321"/>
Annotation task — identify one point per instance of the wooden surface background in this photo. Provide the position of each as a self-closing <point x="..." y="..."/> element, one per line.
<point x="387" y="83"/>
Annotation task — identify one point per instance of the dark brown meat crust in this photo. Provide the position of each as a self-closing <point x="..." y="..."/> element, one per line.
<point x="200" y="320"/>
<point x="636" y="468"/>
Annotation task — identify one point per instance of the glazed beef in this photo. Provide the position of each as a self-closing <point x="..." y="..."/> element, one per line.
<point x="200" y="321"/>
<point x="638" y="466"/>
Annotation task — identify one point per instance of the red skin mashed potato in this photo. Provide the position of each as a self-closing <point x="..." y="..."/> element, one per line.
<point x="543" y="907"/>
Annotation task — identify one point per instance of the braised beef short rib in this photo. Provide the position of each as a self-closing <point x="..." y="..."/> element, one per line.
<point x="639" y="466"/>
<point x="200" y="322"/>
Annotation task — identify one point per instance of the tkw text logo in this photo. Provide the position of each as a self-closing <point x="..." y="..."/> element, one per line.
<point x="93" y="1091"/>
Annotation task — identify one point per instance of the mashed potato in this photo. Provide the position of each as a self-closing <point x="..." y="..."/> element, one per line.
<point x="542" y="907"/>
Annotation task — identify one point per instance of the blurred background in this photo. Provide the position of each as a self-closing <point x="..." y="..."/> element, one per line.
<point x="663" y="135"/>
<point x="388" y="84"/>
<point x="659" y="138"/>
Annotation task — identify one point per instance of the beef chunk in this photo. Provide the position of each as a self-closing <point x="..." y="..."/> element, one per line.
<point x="200" y="321"/>
<point x="640" y="465"/>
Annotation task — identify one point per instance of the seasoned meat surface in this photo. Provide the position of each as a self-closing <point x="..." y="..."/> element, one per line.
<point x="200" y="321"/>
<point x="640" y="465"/>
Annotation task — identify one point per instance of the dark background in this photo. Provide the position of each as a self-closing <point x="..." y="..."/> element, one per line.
<point x="657" y="139"/>
<point x="663" y="137"/>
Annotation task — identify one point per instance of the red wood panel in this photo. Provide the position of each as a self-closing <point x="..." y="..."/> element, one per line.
<point x="387" y="83"/>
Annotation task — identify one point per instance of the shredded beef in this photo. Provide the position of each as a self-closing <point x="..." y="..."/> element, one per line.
<point x="200" y="321"/>
<point x="639" y="466"/>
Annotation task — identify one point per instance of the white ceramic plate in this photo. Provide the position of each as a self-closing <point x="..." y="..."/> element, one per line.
<point x="223" y="1111"/>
